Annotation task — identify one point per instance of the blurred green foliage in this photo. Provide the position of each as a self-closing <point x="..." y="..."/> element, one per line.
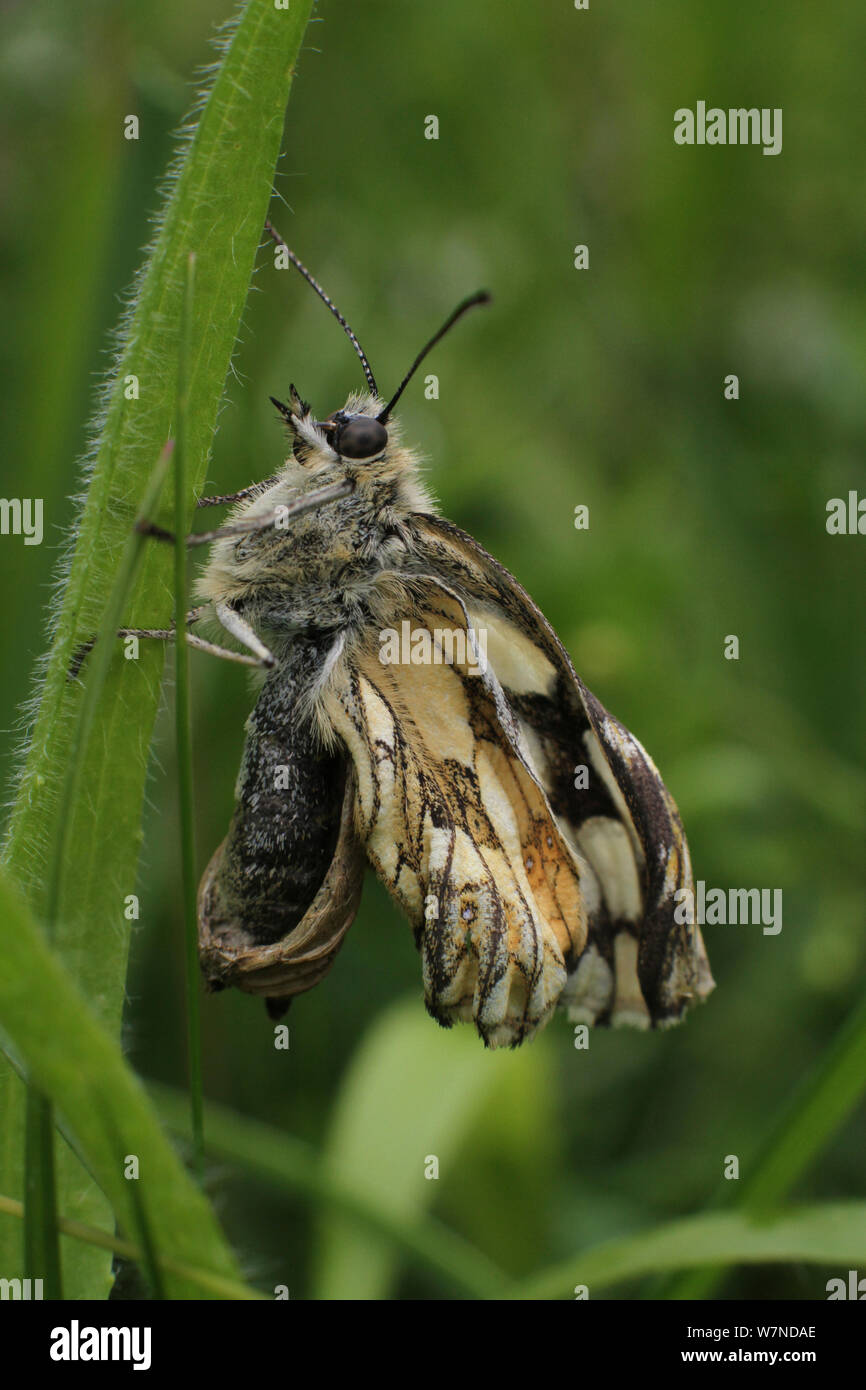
<point x="602" y="387"/>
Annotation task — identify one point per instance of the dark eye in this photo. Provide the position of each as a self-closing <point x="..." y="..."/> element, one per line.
<point x="361" y="438"/>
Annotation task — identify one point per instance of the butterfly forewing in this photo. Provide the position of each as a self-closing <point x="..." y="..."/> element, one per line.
<point x="457" y="826"/>
<point x="640" y="965"/>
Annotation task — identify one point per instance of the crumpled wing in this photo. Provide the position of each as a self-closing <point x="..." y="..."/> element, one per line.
<point x="229" y="953"/>
<point x="282" y="890"/>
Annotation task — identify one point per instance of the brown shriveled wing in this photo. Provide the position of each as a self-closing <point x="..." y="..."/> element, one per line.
<point x="231" y="953"/>
<point x="282" y="889"/>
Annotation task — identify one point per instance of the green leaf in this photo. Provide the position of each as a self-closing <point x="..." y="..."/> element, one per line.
<point x="289" y="1165"/>
<point x="106" y="1111"/>
<point x="41" y="1234"/>
<point x="202" y="1279"/>
<point x="216" y="201"/>
<point x="803" y="1128"/>
<point x="41" y="1237"/>
<point x="183" y="737"/>
<point x="412" y="1093"/>
<point x="833" y="1234"/>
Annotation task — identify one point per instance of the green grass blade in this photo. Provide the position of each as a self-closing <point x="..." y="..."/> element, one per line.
<point x="824" y="1101"/>
<point x="79" y="1067"/>
<point x="216" y="201"/>
<point x="392" y="1092"/>
<point x="215" y="1284"/>
<point x="804" y="1128"/>
<point x="41" y="1231"/>
<point x="292" y="1166"/>
<point x="832" y="1234"/>
<point x="41" y="1235"/>
<point x="183" y="729"/>
<point x="96" y="671"/>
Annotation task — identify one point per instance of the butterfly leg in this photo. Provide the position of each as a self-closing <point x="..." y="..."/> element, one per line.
<point x="227" y="499"/>
<point x="261" y="657"/>
<point x="240" y="628"/>
<point x="201" y="645"/>
<point x="232" y="622"/>
<point x="308" y="502"/>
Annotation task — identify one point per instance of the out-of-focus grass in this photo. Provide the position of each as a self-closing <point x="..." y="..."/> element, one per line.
<point x="111" y="1121"/>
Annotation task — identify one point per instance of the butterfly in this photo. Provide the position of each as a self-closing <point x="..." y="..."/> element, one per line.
<point x="419" y="715"/>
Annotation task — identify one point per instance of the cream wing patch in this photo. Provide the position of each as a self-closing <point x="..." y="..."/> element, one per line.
<point x="458" y="828"/>
<point x="557" y="724"/>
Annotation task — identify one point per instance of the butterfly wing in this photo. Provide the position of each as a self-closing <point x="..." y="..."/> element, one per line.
<point x="524" y="890"/>
<point x="456" y="824"/>
<point x="645" y="961"/>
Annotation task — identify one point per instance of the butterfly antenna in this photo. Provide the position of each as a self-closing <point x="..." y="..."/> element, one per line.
<point x="482" y="297"/>
<point x="371" y="380"/>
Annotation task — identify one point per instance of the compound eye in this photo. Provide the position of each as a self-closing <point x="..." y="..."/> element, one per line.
<point x="361" y="438"/>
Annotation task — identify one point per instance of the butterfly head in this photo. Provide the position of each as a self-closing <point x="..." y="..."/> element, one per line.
<point x="354" y="435"/>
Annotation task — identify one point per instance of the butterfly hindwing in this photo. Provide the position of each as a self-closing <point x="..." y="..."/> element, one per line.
<point x="470" y="780"/>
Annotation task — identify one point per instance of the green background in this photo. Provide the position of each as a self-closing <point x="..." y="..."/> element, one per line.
<point x="603" y="387"/>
